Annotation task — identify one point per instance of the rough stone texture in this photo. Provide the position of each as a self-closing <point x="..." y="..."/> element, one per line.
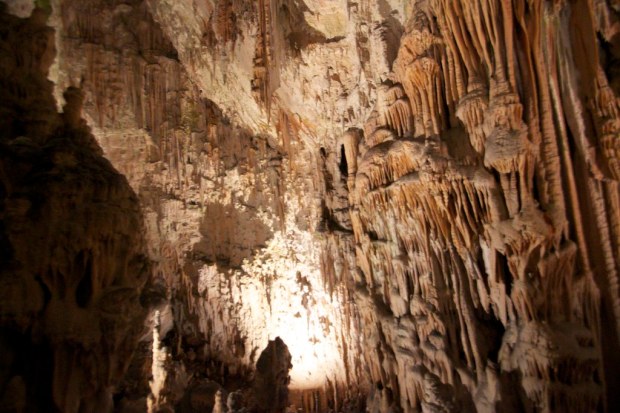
<point x="420" y="197"/>
<point x="506" y="274"/>
<point x="72" y="254"/>
<point x="271" y="378"/>
<point x="231" y="214"/>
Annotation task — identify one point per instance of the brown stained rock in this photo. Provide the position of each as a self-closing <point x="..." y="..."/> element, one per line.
<point x="456" y="271"/>
<point x="73" y="261"/>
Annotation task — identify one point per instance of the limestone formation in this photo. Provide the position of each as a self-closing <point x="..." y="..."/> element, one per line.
<point x="271" y="379"/>
<point x="420" y="198"/>
<point x="73" y="263"/>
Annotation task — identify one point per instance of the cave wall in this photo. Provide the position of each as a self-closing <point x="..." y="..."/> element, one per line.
<point x="234" y="216"/>
<point x="419" y="197"/>
<point x="73" y="263"/>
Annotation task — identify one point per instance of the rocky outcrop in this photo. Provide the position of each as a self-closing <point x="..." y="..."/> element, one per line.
<point x="271" y="379"/>
<point x="420" y="198"/>
<point x="72" y="252"/>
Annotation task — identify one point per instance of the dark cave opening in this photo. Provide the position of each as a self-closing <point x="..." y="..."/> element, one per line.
<point x="343" y="166"/>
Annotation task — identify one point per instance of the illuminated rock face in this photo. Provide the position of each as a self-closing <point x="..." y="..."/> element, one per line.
<point x="235" y="219"/>
<point x="420" y="198"/>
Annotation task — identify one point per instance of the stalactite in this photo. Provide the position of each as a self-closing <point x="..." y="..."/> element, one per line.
<point x="263" y="58"/>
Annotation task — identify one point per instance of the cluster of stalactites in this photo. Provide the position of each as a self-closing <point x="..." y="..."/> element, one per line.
<point x="446" y="245"/>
